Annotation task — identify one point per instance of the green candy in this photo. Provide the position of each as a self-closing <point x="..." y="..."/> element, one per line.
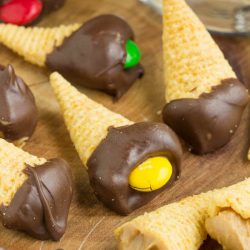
<point x="133" y="54"/>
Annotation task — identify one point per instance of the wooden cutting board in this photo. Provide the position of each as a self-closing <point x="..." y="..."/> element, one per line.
<point x="90" y="225"/>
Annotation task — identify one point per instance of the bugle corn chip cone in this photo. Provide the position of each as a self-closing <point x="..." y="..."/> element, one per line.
<point x="193" y="63"/>
<point x="86" y="120"/>
<point x="34" y="43"/>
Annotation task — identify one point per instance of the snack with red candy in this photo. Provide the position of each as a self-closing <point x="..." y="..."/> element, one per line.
<point x="25" y="12"/>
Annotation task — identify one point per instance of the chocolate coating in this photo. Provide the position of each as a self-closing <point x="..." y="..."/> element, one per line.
<point x="40" y="207"/>
<point x="120" y="152"/>
<point x="208" y="123"/>
<point x="18" y="112"/>
<point x="95" y="54"/>
<point x="210" y="244"/>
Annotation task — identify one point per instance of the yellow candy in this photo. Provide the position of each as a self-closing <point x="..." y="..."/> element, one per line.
<point x="151" y="175"/>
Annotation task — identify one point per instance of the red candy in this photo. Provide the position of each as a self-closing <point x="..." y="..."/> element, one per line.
<point x="20" y="12"/>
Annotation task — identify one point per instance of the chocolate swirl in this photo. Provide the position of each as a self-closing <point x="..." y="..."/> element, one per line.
<point x="209" y="122"/>
<point x="18" y="112"/>
<point x="120" y="152"/>
<point x="40" y="207"/>
<point x="95" y="54"/>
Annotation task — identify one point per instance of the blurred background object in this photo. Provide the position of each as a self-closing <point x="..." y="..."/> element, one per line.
<point x="27" y="12"/>
<point x="219" y="16"/>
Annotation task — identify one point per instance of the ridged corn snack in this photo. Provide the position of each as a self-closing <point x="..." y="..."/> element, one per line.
<point x="34" y="43"/>
<point x="86" y="120"/>
<point x="205" y="101"/>
<point x="32" y="199"/>
<point x="81" y="53"/>
<point x="112" y="148"/>
<point x="184" y="225"/>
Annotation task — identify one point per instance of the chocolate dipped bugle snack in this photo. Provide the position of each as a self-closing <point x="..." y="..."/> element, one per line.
<point x="223" y="214"/>
<point x="128" y="163"/>
<point x="35" y="193"/>
<point x="100" y="54"/>
<point x="18" y="112"/>
<point x="205" y="101"/>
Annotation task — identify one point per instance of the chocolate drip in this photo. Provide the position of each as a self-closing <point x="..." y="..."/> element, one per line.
<point x="208" y="123"/>
<point x="95" y="54"/>
<point x="18" y="112"/>
<point x="40" y="207"/>
<point x="120" y="152"/>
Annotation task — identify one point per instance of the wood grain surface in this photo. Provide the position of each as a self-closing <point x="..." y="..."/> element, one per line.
<point x="91" y="225"/>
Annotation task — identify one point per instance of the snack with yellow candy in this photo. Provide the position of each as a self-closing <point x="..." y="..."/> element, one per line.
<point x="205" y="101"/>
<point x="224" y="214"/>
<point x="112" y="148"/>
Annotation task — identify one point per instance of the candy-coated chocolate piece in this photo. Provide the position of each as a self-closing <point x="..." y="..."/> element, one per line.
<point x="152" y="174"/>
<point x="133" y="54"/>
<point x="20" y="12"/>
